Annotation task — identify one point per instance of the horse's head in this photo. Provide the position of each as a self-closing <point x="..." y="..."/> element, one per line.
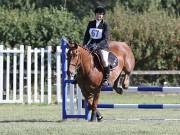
<point x="73" y="57"/>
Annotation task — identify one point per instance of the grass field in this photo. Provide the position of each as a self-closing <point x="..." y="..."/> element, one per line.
<point x="36" y="119"/>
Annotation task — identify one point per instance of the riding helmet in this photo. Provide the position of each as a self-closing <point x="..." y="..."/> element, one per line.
<point x="100" y="9"/>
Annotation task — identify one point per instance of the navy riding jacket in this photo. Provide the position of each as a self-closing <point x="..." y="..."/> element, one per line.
<point x="105" y="34"/>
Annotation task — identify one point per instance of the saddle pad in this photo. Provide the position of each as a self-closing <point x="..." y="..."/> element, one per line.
<point x="113" y="60"/>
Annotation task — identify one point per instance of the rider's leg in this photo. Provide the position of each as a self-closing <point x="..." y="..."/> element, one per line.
<point x="104" y="56"/>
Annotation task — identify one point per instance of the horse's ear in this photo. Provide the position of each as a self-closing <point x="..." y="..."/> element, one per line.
<point x="72" y="45"/>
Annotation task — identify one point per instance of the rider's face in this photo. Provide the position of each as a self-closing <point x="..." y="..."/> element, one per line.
<point x="99" y="16"/>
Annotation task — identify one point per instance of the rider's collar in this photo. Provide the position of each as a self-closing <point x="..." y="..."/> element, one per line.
<point x="98" y="22"/>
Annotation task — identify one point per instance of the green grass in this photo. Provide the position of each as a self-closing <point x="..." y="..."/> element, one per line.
<point x="139" y="98"/>
<point x="35" y="119"/>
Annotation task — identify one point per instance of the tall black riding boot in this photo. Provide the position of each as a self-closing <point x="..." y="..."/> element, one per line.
<point x="106" y="76"/>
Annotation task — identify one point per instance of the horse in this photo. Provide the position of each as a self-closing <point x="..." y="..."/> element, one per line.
<point x="89" y="73"/>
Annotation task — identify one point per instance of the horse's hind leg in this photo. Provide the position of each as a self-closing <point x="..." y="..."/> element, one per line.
<point x="125" y="82"/>
<point x="116" y="86"/>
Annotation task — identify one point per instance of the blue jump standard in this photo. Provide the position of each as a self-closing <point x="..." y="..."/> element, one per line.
<point x="63" y="61"/>
<point x="64" y="82"/>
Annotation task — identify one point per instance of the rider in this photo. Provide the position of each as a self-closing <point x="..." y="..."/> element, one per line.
<point x="97" y="32"/>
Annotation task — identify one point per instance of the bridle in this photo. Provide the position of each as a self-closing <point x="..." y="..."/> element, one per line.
<point x="79" y="58"/>
<point x="75" y="65"/>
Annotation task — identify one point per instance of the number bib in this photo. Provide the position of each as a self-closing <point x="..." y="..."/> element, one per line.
<point x="95" y="33"/>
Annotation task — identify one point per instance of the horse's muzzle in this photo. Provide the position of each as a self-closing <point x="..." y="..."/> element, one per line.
<point x="70" y="74"/>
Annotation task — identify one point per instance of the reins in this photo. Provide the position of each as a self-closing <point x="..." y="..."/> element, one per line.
<point x="76" y="64"/>
<point x="79" y="58"/>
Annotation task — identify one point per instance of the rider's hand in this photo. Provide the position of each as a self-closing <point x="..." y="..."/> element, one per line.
<point x="86" y="46"/>
<point x="94" y="47"/>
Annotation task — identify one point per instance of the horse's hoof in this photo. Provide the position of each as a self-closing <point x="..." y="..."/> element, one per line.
<point x="99" y="116"/>
<point x="125" y="87"/>
<point x="99" y="119"/>
<point x="119" y="90"/>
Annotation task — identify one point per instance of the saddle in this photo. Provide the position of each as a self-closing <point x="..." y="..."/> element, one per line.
<point x="112" y="59"/>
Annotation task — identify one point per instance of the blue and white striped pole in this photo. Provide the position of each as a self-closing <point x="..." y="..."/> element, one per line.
<point x="148" y="89"/>
<point x="140" y="106"/>
<point x="153" y="89"/>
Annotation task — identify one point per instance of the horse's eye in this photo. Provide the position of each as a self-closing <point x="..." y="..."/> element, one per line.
<point x="69" y="53"/>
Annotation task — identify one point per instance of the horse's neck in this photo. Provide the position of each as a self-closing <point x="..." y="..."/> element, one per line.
<point x="87" y="62"/>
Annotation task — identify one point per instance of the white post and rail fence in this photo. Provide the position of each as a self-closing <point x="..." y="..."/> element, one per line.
<point x="29" y="81"/>
<point x="28" y="76"/>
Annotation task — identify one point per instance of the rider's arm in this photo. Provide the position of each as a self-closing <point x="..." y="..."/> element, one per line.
<point x="106" y="32"/>
<point x="87" y="35"/>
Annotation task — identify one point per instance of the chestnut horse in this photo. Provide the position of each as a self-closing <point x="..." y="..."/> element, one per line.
<point x="89" y="74"/>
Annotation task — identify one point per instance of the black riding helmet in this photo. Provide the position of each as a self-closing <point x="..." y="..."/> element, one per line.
<point x="100" y="9"/>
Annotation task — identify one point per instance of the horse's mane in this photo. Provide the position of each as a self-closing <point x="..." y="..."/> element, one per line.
<point x="95" y="57"/>
<point x="81" y="46"/>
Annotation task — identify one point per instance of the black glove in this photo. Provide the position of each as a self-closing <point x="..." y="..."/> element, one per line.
<point x="85" y="46"/>
<point x="93" y="47"/>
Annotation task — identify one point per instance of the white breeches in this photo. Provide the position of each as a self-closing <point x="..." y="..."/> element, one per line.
<point x="104" y="56"/>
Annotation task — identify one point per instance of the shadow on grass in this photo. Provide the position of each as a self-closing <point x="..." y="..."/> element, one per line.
<point x="31" y="121"/>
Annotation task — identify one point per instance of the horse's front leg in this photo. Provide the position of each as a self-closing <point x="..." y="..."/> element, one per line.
<point x="90" y="107"/>
<point x="95" y="113"/>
